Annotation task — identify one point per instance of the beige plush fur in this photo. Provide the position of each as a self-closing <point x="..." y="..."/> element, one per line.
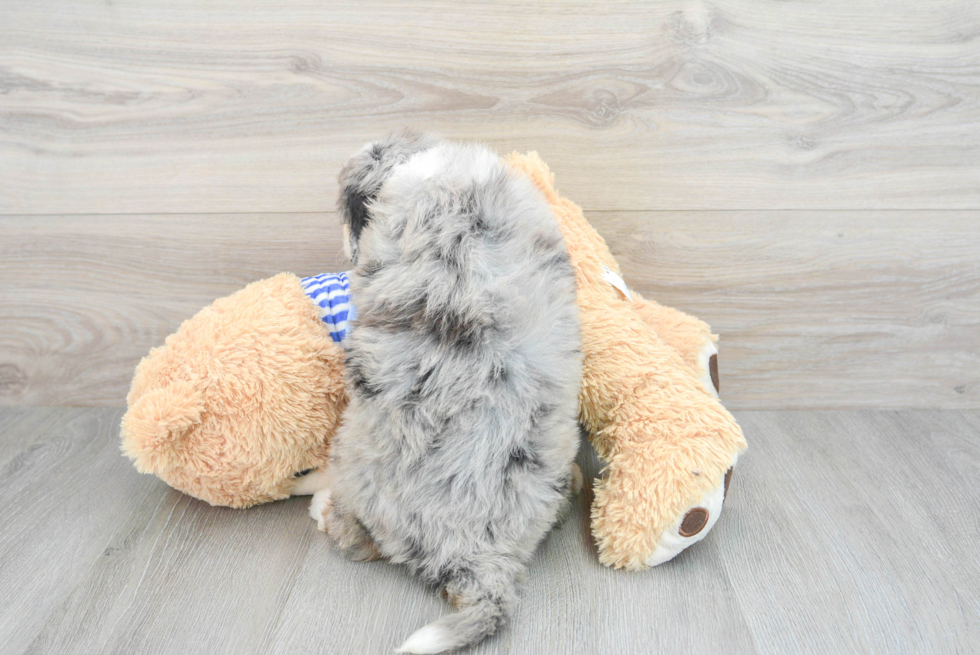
<point x="682" y="332"/>
<point x="244" y="395"/>
<point x="666" y="441"/>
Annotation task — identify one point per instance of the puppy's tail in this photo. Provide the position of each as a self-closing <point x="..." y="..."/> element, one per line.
<point x="482" y="612"/>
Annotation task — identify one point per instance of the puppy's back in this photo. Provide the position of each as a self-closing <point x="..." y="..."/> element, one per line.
<point x="464" y="364"/>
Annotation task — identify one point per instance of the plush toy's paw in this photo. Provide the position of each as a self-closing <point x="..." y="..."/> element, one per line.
<point x="694" y="523"/>
<point x="320" y="508"/>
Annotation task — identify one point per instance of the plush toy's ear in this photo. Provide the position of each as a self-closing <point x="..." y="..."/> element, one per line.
<point x="155" y="423"/>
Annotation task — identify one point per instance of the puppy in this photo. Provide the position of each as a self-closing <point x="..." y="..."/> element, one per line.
<point x="456" y="452"/>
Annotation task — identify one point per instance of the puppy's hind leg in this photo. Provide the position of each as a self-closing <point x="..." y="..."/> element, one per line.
<point x="349" y="535"/>
<point x="320" y="507"/>
<point x="572" y="488"/>
<point x="578" y="480"/>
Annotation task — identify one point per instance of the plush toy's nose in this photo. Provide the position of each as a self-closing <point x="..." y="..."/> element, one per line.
<point x="694" y="521"/>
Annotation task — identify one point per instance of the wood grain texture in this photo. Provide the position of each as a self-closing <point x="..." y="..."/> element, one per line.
<point x="829" y="543"/>
<point x="83" y="298"/>
<point x="863" y="520"/>
<point x="188" y="578"/>
<point x="66" y="489"/>
<point x="820" y="309"/>
<point x="815" y="309"/>
<point x="157" y="106"/>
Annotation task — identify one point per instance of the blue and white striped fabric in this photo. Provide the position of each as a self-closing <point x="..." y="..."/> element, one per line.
<point x="330" y="292"/>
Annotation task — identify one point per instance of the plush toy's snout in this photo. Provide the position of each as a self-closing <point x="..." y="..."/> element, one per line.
<point x="649" y="402"/>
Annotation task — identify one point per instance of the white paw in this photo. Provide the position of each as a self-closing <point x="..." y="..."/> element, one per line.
<point x="708" y="365"/>
<point x="311" y="483"/>
<point x="320" y="507"/>
<point x="694" y="524"/>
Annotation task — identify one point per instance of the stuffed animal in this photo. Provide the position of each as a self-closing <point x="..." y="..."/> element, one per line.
<point x="239" y="405"/>
<point x="649" y="402"/>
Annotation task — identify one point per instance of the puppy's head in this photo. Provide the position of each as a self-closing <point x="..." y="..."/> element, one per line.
<point x="363" y="175"/>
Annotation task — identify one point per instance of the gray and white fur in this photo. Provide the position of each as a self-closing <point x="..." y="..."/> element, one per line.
<point x="456" y="452"/>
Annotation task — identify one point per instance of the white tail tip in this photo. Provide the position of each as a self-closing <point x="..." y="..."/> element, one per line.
<point x="430" y="639"/>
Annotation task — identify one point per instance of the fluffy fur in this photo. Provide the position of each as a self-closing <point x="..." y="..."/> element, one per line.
<point x="245" y="395"/>
<point x="456" y="452"/>
<point x="666" y="439"/>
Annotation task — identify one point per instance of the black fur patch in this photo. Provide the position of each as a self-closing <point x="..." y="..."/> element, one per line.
<point x="415" y="548"/>
<point x="357" y="208"/>
<point x="558" y="261"/>
<point x="545" y="243"/>
<point x="563" y="485"/>
<point x="355" y="374"/>
<point x="453" y="255"/>
<point x="540" y="413"/>
<point x="458" y="574"/>
<point x="418" y="387"/>
<point x="371" y="269"/>
<point x="479" y="226"/>
<point x="498" y="374"/>
<point x="523" y="458"/>
<point x="458" y="330"/>
<point x="438" y="440"/>
<point x="482" y="230"/>
<point x="390" y="317"/>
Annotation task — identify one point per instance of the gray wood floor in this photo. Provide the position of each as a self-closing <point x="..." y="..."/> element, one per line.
<point x="850" y="532"/>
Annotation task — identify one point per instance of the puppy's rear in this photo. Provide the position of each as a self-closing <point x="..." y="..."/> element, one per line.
<point x="464" y="365"/>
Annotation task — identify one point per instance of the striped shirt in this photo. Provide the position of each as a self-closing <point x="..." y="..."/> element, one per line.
<point x="331" y="295"/>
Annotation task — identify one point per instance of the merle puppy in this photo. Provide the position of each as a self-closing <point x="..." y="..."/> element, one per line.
<point x="456" y="453"/>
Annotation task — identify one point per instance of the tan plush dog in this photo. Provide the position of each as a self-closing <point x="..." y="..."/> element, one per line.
<point x="649" y="404"/>
<point x="245" y="397"/>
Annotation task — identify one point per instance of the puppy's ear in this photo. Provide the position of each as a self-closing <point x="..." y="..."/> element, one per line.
<point x="356" y="202"/>
<point x="364" y="174"/>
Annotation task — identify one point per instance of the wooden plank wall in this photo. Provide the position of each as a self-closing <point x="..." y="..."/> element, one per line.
<point x="804" y="176"/>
